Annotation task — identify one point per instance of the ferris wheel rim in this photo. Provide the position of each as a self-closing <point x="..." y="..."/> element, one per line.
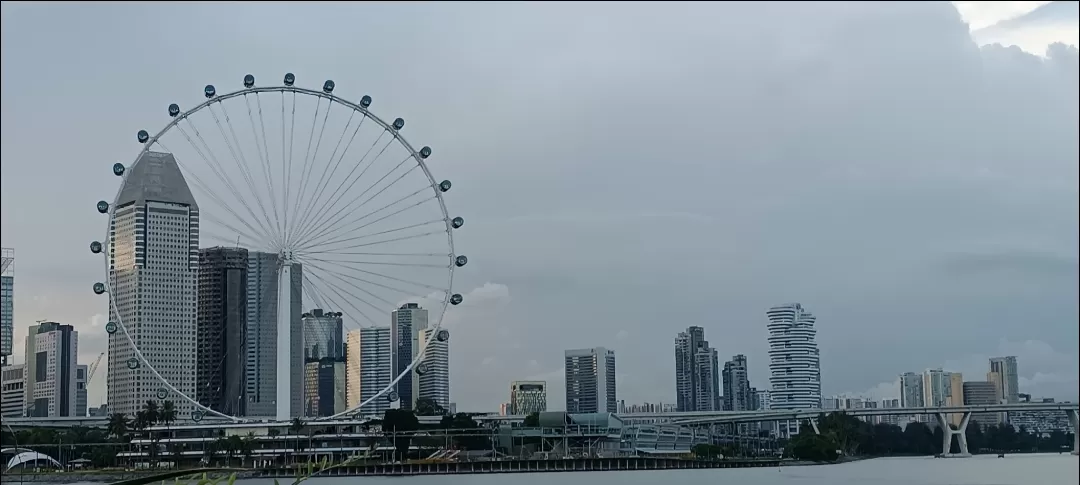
<point x="413" y="153"/>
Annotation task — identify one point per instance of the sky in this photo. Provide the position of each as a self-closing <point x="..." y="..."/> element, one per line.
<point x="627" y="172"/>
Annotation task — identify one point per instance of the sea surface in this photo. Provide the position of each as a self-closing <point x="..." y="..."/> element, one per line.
<point x="1042" y="469"/>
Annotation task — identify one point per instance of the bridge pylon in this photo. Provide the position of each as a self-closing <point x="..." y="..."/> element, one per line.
<point x="959" y="434"/>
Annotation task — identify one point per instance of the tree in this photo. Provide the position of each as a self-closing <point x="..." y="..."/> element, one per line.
<point x="809" y="445"/>
<point x="532" y="420"/>
<point x="152" y="412"/>
<point x="398" y="425"/>
<point x="118" y="426"/>
<point x="167" y="413"/>
<point x="428" y="407"/>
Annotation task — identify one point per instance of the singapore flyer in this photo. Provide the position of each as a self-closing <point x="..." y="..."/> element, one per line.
<point x="276" y="252"/>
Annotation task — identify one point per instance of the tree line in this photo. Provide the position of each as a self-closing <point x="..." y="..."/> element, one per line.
<point x="843" y="434"/>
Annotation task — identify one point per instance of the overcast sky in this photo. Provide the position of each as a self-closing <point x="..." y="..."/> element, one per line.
<point x="626" y="170"/>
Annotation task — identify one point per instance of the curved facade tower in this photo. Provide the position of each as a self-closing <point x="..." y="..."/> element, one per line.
<point x="794" y="363"/>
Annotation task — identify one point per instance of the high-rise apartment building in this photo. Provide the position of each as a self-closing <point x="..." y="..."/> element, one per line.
<point x="794" y="361"/>
<point x="221" y="335"/>
<point x="405" y="322"/>
<point x="979" y="393"/>
<point x="737" y="396"/>
<point x="262" y="311"/>
<point x="936" y="387"/>
<point x="590" y="381"/>
<point x="13" y="391"/>
<point x="368" y="369"/>
<point x="527" y="397"/>
<point x="7" y="304"/>
<point x="432" y="373"/>
<point x="697" y="377"/>
<point x="1004" y="373"/>
<point x="911" y="390"/>
<point x="323" y="334"/>
<point x="153" y="263"/>
<point x="51" y="388"/>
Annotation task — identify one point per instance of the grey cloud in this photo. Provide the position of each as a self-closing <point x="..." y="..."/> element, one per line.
<point x="830" y="154"/>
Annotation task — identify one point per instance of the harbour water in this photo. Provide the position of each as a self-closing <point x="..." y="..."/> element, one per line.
<point x="1026" y="469"/>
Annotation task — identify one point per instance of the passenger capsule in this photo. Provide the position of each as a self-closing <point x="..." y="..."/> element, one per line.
<point x="196" y="416"/>
<point x="443" y="335"/>
<point x="249" y="81"/>
<point x="143" y="136"/>
<point x="289" y="79"/>
<point x="174" y="110"/>
<point x="425" y="152"/>
<point x="328" y="86"/>
<point x="456" y="299"/>
<point x="457" y="222"/>
<point x="422" y="368"/>
<point x="118" y="169"/>
<point x="392" y="396"/>
<point x="444" y="186"/>
<point x="99" y="288"/>
<point x="399" y="124"/>
<point x="102" y="206"/>
<point x="133" y="363"/>
<point x="209" y="91"/>
<point x="110" y="328"/>
<point x="365" y="101"/>
<point x="95" y="247"/>
<point x="461" y="260"/>
<point x="162" y="393"/>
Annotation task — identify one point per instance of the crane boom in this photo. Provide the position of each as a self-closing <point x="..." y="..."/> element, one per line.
<point x="93" y="368"/>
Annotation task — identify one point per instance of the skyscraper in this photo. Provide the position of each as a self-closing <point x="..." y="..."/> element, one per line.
<point x="7" y="304"/>
<point x="590" y="381"/>
<point x="936" y="387"/>
<point x="262" y="310"/>
<point x="324" y="386"/>
<point x="323" y="335"/>
<point x="433" y="376"/>
<point x="527" y="397"/>
<point x="911" y="391"/>
<point x="1004" y="373"/>
<point x="405" y="322"/>
<point x="153" y="262"/>
<point x="737" y="394"/>
<point x="794" y="363"/>
<point x="222" y="354"/>
<point x="51" y="388"/>
<point x="368" y="368"/>
<point x="80" y="390"/>
<point x="696" y="374"/>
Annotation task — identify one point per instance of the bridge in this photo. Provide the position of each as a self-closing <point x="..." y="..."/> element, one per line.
<point x="693" y="418"/>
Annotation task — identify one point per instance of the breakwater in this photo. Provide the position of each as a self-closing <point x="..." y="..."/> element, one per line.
<point x="522" y="466"/>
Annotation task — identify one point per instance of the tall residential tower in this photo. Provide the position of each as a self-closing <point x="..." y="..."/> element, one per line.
<point x="794" y="363"/>
<point x="590" y="381"/>
<point x="697" y="376"/>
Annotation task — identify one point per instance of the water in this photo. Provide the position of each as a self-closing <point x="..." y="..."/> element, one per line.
<point x="979" y="470"/>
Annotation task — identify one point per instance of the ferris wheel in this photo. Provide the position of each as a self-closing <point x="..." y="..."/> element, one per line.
<point x="253" y="227"/>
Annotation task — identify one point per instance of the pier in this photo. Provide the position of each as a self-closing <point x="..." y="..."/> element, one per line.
<point x="523" y="466"/>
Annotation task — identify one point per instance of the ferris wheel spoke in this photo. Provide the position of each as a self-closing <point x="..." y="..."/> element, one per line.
<point x="324" y="181"/>
<point x="340" y="277"/>
<point x="236" y="152"/>
<point x="286" y="160"/>
<point x="264" y="157"/>
<point x="245" y="168"/>
<point x="215" y="166"/>
<point x="210" y="193"/>
<point x="352" y="181"/>
<point x="323" y="268"/>
<point x="309" y="162"/>
<point x="392" y="278"/>
<point x="323" y="245"/>
<point x="341" y="301"/>
<point x="347" y="228"/>
<point x="375" y="243"/>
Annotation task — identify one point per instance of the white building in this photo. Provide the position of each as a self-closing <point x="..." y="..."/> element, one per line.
<point x="51" y="389"/>
<point x="1004" y="374"/>
<point x="432" y="374"/>
<point x="12" y="391"/>
<point x="368" y="369"/>
<point x="794" y="361"/>
<point x="590" y="381"/>
<point x="153" y="262"/>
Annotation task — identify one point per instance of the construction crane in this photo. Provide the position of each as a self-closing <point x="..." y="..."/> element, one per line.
<point x="93" y="368"/>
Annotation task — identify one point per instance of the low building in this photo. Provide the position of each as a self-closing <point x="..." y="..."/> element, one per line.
<point x="527" y="397"/>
